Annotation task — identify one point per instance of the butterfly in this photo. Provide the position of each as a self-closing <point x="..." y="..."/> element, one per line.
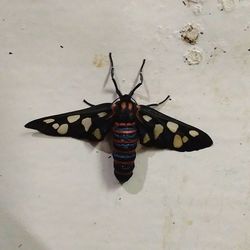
<point x="129" y="123"/>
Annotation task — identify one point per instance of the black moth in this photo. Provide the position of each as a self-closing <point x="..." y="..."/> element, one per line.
<point x="127" y="122"/>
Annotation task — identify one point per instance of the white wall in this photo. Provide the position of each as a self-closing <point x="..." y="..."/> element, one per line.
<point x="58" y="193"/>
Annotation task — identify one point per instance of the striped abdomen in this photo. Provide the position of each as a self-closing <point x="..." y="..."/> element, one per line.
<point x="125" y="142"/>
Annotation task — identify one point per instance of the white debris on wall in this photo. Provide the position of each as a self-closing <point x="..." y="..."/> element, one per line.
<point x="190" y="33"/>
<point x="193" y="56"/>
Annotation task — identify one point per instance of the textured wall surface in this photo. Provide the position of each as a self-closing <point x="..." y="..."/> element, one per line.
<point x="59" y="193"/>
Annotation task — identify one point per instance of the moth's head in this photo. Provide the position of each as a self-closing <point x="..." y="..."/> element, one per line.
<point x="125" y="103"/>
<point x="126" y="98"/>
<point x="125" y="108"/>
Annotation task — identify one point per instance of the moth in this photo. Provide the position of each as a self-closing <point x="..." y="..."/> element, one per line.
<point x="129" y="123"/>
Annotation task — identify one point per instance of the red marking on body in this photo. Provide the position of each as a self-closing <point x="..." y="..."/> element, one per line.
<point x="123" y="105"/>
<point x="130" y="106"/>
<point x="113" y="107"/>
<point x="124" y="132"/>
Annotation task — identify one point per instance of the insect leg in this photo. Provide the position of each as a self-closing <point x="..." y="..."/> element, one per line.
<point x="157" y="104"/>
<point x="112" y="75"/>
<point x="88" y="103"/>
<point x="141" y="79"/>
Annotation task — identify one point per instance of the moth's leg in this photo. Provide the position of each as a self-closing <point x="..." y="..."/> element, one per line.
<point x="88" y="103"/>
<point x="157" y="104"/>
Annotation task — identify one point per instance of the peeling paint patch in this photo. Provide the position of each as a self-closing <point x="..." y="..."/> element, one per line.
<point x="99" y="61"/>
<point x="193" y="56"/>
<point x="227" y="5"/>
<point x="190" y="33"/>
<point x="195" y="5"/>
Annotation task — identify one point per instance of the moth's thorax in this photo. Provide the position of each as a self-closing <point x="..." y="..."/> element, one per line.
<point x="124" y="111"/>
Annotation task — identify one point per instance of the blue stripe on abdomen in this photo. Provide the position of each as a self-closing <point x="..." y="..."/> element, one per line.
<point x="124" y="156"/>
<point x="125" y="136"/>
<point x="125" y="146"/>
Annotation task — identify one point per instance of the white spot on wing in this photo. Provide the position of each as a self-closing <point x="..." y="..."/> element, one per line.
<point x="86" y="122"/>
<point x="193" y="133"/>
<point x="102" y="114"/>
<point x="172" y="126"/>
<point x="73" y="118"/>
<point x="63" y="129"/>
<point x="158" y="129"/>
<point x="177" y="141"/>
<point x="97" y="134"/>
<point x="50" y="120"/>
<point x="146" y="138"/>
<point x="55" y="125"/>
<point x="147" y="118"/>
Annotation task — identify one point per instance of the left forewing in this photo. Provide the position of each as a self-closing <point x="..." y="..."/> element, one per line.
<point x="91" y="123"/>
<point x="159" y="130"/>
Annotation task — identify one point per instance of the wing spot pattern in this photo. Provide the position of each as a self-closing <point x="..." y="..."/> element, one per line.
<point x="97" y="134"/>
<point x="177" y="141"/>
<point x="146" y="138"/>
<point x="50" y="120"/>
<point x="158" y="129"/>
<point x="172" y="126"/>
<point x="193" y="133"/>
<point x="73" y="118"/>
<point x="185" y="139"/>
<point x="102" y="114"/>
<point x="55" y="125"/>
<point x="63" y="129"/>
<point x="86" y="122"/>
<point x="147" y="118"/>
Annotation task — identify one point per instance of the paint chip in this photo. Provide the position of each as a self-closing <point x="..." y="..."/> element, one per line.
<point x="193" y="133"/>
<point x="50" y="120"/>
<point x="158" y="129"/>
<point x="195" y="5"/>
<point x="63" y="129"/>
<point x="73" y="118"/>
<point x="147" y="118"/>
<point x="177" y="141"/>
<point x="190" y="33"/>
<point x="172" y="126"/>
<point x="193" y="56"/>
<point x="99" y="61"/>
<point x="86" y="122"/>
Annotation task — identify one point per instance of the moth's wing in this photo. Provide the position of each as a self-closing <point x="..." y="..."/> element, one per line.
<point x="91" y="123"/>
<point x="159" y="130"/>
